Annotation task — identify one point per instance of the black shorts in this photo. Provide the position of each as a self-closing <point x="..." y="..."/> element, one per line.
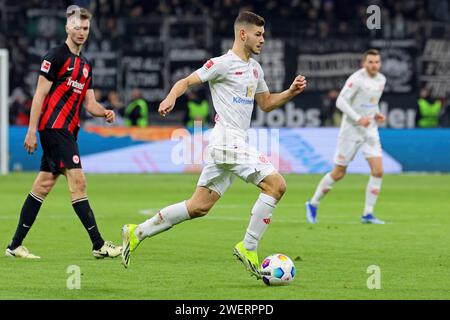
<point x="60" y="151"/>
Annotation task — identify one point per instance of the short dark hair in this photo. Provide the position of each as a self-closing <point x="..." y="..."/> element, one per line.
<point x="84" y="13"/>
<point x="247" y="17"/>
<point x="371" y="52"/>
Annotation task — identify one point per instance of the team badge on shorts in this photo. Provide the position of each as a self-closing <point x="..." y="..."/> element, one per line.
<point x="76" y="159"/>
<point x="263" y="158"/>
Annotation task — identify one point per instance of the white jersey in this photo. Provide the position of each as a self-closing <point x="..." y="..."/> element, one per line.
<point x="233" y="83"/>
<point x="363" y="93"/>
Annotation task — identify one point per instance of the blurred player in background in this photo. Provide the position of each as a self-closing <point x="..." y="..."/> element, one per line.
<point x="358" y="101"/>
<point x="235" y="81"/>
<point x="65" y="81"/>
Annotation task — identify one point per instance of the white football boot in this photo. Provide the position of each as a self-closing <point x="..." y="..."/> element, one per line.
<point x="20" y="252"/>
<point x="108" y="250"/>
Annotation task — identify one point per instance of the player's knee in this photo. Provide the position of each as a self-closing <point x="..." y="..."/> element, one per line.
<point x="276" y="188"/>
<point x="79" y="185"/>
<point x="42" y="188"/>
<point x="199" y="211"/>
<point x="338" y="175"/>
<point x="377" y="173"/>
<point x="280" y="189"/>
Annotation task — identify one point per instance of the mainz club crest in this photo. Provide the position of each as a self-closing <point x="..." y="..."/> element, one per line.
<point x="255" y="73"/>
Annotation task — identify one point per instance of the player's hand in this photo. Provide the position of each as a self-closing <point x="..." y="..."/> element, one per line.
<point x="30" y="143"/>
<point x="166" y="106"/>
<point x="298" y="85"/>
<point x="110" y="116"/>
<point x="364" y="122"/>
<point x="379" y="117"/>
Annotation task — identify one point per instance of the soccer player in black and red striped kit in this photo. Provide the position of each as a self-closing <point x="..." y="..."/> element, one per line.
<point x="65" y="82"/>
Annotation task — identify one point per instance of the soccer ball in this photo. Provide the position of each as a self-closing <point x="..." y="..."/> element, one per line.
<point x="277" y="270"/>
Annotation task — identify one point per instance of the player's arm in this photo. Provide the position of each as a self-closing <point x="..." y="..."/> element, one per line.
<point x="269" y="101"/>
<point x="96" y="109"/>
<point x="178" y="89"/>
<point x="42" y="90"/>
<point x="344" y="99"/>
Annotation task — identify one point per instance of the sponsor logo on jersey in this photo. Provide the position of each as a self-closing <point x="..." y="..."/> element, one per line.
<point x="240" y="100"/>
<point x="350" y="84"/>
<point x="368" y="105"/>
<point x="249" y="91"/>
<point x="238" y="73"/>
<point x="78" y="87"/>
<point x="45" y="66"/>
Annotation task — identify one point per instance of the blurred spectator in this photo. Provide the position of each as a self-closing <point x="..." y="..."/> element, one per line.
<point x="19" y="110"/>
<point x="197" y="109"/>
<point x="429" y="110"/>
<point x="134" y="25"/>
<point x="114" y="103"/>
<point x="330" y="115"/>
<point x="136" y="113"/>
<point x="439" y="10"/>
<point x="445" y="114"/>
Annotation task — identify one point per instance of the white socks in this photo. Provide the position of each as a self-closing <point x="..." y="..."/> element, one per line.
<point x="259" y="221"/>
<point x="165" y="219"/>
<point x="324" y="186"/>
<point x="372" y="191"/>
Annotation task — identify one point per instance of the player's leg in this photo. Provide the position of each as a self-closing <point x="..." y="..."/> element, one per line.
<point x="213" y="183"/>
<point x="373" y="190"/>
<point x="197" y="206"/>
<point x="327" y="182"/>
<point x="345" y="152"/>
<point x="273" y="187"/>
<point x="42" y="186"/>
<point x="80" y="203"/>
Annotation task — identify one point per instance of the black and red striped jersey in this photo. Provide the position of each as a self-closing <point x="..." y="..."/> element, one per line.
<point x="72" y="77"/>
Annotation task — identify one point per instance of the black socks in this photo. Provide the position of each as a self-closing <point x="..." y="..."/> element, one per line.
<point x="84" y="212"/>
<point x="28" y="214"/>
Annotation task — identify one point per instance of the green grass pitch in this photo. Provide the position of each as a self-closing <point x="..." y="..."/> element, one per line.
<point x="194" y="260"/>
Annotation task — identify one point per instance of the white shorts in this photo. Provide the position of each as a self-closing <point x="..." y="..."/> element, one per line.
<point x="219" y="176"/>
<point x="347" y="149"/>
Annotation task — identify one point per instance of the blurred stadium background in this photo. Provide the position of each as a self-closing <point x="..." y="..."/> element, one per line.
<point x="140" y="48"/>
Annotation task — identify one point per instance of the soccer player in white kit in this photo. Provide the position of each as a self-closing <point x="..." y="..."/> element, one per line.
<point x="235" y="81"/>
<point x="358" y="101"/>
